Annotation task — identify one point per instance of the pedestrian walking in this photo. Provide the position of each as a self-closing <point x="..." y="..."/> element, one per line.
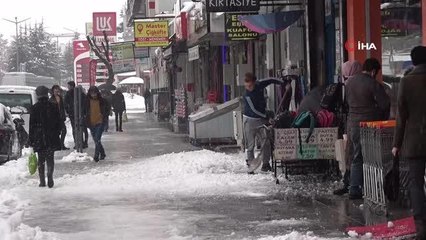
<point x="367" y="101"/>
<point x="69" y="108"/>
<point x="411" y="130"/>
<point x="349" y="69"/>
<point x="147" y="97"/>
<point x="255" y="116"/>
<point x="97" y="113"/>
<point x="119" y="105"/>
<point x="57" y="99"/>
<point x="45" y="128"/>
<point x="107" y="96"/>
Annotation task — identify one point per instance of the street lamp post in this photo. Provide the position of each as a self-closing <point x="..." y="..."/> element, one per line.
<point x="16" y="22"/>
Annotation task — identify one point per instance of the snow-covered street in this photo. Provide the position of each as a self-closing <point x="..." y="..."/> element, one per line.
<point x="154" y="185"/>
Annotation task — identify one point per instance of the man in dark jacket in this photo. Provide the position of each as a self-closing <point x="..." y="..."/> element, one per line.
<point x="367" y="101"/>
<point x="255" y="116"/>
<point x="119" y="105"/>
<point x="69" y="108"/>
<point x="107" y="96"/>
<point x="411" y="128"/>
<point x="59" y="102"/>
<point x="45" y="127"/>
<point x="97" y="112"/>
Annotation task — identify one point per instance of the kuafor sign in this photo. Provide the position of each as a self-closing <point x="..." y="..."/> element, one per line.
<point x="232" y="5"/>
<point x="105" y="21"/>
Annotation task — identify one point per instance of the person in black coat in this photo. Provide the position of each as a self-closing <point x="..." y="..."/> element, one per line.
<point x="69" y="108"/>
<point x="57" y="99"/>
<point x="45" y="128"/>
<point x="107" y="96"/>
<point x="119" y="105"/>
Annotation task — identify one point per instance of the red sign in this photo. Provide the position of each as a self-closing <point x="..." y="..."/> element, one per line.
<point x="80" y="46"/>
<point x="93" y="67"/>
<point x="105" y="21"/>
<point x="81" y="51"/>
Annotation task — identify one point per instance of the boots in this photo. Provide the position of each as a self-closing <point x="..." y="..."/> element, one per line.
<point x="266" y="168"/>
<point x="50" y="182"/>
<point x="42" y="176"/>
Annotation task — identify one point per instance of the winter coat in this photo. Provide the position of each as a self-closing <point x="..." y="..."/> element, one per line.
<point x="118" y="102"/>
<point x="61" y="106"/>
<point x="411" y="117"/>
<point x="104" y="109"/>
<point x="69" y="102"/>
<point x="255" y="102"/>
<point x="367" y="100"/>
<point x="45" y="126"/>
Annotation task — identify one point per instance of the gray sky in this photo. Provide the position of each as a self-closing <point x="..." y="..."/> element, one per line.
<point x="56" y="14"/>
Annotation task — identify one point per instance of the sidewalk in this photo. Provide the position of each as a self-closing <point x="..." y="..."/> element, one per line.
<point x="141" y="192"/>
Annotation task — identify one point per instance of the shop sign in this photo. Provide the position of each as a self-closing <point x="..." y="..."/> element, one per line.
<point x="232" y="5"/>
<point x="123" y="57"/>
<point x="193" y="53"/>
<point x="105" y="22"/>
<point x="152" y="34"/>
<point x="236" y="31"/>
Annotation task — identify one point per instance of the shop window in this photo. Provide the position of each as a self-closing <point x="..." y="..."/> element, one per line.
<point x="401" y="31"/>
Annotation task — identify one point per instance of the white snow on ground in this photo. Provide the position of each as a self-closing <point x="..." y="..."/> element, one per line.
<point x="77" y="157"/>
<point x="297" y="236"/>
<point x="134" y="102"/>
<point x="199" y="173"/>
<point x="12" y="209"/>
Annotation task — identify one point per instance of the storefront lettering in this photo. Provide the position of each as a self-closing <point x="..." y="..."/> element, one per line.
<point x="232" y="3"/>
<point x="236" y="31"/>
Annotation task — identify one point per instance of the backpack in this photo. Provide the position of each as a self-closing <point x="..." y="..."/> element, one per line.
<point x="305" y="120"/>
<point x="325" y="118"/>
<point x="284" y="120"/>
<point x="330" y="99"/>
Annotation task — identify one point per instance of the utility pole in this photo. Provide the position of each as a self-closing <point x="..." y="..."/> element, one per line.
<point x="16" y="22"/>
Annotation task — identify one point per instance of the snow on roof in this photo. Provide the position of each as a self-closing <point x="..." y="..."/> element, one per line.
<point x="132" y="80"/>
<point x="126" y="74"/>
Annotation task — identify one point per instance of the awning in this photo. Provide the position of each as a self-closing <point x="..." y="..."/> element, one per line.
<point x="271" y="22"/>
<point x="132" y="80"/>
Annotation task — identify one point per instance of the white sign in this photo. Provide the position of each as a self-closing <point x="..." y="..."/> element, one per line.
<point x="321" y="144"/>
<point x="194" y="53"/>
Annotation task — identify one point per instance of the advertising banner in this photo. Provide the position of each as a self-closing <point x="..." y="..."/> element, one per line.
<point x="81" y="50"/>
<point x="236" y="31"/>
<point x="123" y="57"/>
<point x="152" y="34"/>
<point x="232" y="5"/>
<point x="105" y="21"/>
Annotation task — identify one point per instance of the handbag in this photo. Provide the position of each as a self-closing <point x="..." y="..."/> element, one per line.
<point x="32" y="163"/>
<point x="125" y="119"/>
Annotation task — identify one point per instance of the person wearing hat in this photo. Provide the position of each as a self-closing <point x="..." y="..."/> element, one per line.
<point x="45" y="128"/>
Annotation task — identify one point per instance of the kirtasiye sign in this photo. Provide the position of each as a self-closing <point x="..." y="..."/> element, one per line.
<point x="232" y="5"/>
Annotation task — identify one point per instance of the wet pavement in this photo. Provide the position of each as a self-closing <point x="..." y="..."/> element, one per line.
<point x="126" y="215"/>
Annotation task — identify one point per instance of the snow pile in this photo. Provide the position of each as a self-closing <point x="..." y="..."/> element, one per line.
<point x="11" y="216"/>
<point x="284" y="222"/>
<point x="199" y="172"/>
<point x="14" y="173"/>
<point x="77" y="157"/>
<point x="390" y="224"/>
<point x="297" y="236"/>
<point x="134" y="101"/>
<point x="353" y="234"/>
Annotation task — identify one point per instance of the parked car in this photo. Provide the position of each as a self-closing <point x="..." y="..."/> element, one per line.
<point x="14" y="125"/>
<point x="19" y="96"/>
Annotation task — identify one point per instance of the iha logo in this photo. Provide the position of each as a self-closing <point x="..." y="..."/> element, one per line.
<point x="351" y="46"/>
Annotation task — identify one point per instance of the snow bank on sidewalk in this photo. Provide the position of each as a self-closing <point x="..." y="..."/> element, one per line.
<point x="298" y="236"/>
<point x="134" y="101"/>
<point x="11" y="217"/>
<point x="196" y="173"/>
<point x="14" y="173"/>
<point x="77" y="157"/>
